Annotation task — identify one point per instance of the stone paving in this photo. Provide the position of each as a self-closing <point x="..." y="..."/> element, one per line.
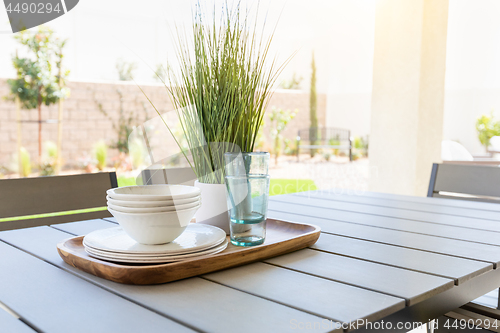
<point x="337" y="173"/>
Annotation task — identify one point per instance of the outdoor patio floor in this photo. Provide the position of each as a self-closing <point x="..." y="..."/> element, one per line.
<point x="337" y="173"/>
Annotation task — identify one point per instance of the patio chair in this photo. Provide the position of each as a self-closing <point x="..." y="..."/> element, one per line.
<point x="467" y="182"/>
<point x="25" y="197"/>
<point x="181" y="176"/>
<point x="470" y="313"/>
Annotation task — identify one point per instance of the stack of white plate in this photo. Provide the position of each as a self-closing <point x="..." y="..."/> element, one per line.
<point x="154" y="214"/>
<point x="197" y="241"/>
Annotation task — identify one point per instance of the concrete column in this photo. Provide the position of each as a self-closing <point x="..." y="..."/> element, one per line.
<point x="408" y="94"/>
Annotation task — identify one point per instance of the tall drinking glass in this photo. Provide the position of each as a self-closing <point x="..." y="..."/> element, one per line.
<point x="247" y="183"/>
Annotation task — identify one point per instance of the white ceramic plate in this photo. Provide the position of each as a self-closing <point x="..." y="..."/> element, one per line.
<point x="157" y="261"/>
<point x="149" y="256"/>
<point x="154" y="209"/>
<point x="196" y="237"/>
<point x="157" y="203"/>
<point x="153" y="192"/>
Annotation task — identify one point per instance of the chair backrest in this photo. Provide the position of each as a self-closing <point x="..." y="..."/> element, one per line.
<point x="180" y="176"/>
<point x="325" y="134"/>
<point x="465" y="182"/>
<point x="45" y="195"/>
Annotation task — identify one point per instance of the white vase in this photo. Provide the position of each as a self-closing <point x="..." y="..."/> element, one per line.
<point x="213" y="210"/>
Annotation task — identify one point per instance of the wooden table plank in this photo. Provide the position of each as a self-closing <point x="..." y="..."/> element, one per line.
<point x="455" y="268"/>
<point x="205" y="305"/>
<point x="408" y="205"/>
<point x="53" y="300"/>
<point x="414" y="287"/>
<point x="451" y="247"/>
<point x="327" y="299"/>
<point x="412" y="295"/>
<point x="9" y="324"/>
<point x="437" y="230"/>
<point x="357" y="212"/>
<point x="84" y="227"/>
<point x="434" y="201"/>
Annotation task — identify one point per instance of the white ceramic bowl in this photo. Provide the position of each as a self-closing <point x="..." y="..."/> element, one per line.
<point x="154" y="209"/>
<point x="153" y="192"/>
<point x="146" y="204"/>
<point x="154" y="228"/>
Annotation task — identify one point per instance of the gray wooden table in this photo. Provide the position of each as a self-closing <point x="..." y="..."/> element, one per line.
<point x="380" y="257"/>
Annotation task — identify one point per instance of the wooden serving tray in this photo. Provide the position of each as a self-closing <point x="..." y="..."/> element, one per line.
<point x="281" y="237"/>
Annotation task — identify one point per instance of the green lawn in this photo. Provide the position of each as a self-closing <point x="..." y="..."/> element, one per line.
<point x="37" y="216"/>
<point x="276" y="187"/>
<point x="287" y="186"/>
<point x="126" y="181"/>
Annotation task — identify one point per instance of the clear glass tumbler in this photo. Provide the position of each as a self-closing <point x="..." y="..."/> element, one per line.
<point x="247" y="183"/>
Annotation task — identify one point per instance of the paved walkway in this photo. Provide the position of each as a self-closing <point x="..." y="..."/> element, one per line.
<point x="337" y="173"/>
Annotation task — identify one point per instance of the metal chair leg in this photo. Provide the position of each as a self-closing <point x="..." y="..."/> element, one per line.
<point x="430" y="326"/>
<point x="498" y="300"/>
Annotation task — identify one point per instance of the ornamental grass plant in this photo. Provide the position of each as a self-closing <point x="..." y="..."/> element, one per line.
<point x="222" y="87"/>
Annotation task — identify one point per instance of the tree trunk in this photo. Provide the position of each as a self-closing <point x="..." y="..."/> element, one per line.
<point x="39" y="130"/>
<point x="19" y="133"/>
<point x="276" y="149"/>
<point x="59" y="136"/>
<point x="313" y="105"/>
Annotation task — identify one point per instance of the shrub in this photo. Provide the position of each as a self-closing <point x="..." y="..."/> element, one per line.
<point x="126" y="122"/>
<point x="125" y="69"/>
<point x="279" y="120"/>
<point x="293" y="83"/>
<point x="313" y="107"/>
<point x="290" y="147"/>
<point x="360" y="146"/>
<point x="334" y="142"/>
<point x="25" y="163"/>
<point x="86" y="162"/>
<point x="486" y="128"/>
<point x="327" y="155"/>
<point x="356" y="155"/>
<point x="49" y="164"/>
<point x="101" y="154"/>
<point x="138" y="155"/>
<point x="3" y="170"/>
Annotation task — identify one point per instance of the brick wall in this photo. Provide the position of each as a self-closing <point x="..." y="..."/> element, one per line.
<point x="84" y="124"/>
